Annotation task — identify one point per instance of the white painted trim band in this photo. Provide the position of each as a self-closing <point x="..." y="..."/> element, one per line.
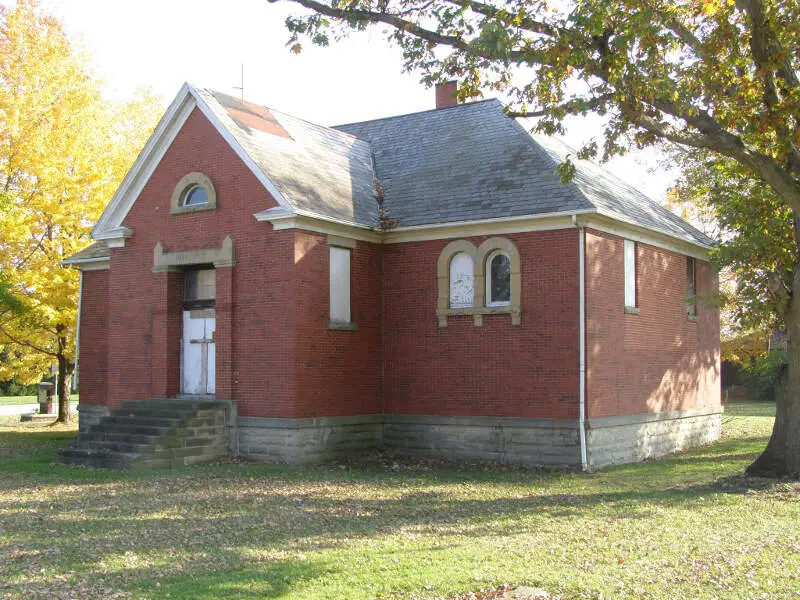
<point x="282" y="218"/>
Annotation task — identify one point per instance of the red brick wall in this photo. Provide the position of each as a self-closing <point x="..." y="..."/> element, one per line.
<point x="499" y="369"/>
<point x="656" y="360"/>
<point x="338" y="372"/>
<point x="277" y="358"/>
<point x="92" y="361"/>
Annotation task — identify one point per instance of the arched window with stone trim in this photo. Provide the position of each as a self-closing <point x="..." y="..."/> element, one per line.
<point x="195" y="191"/>
<point x="479" y="281"/>
<point x="500" y="278"/>
<point x="457" y="293"/>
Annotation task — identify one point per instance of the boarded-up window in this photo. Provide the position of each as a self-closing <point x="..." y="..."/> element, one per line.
<point x="200" y="289"/>
<point x="691" y="287"/>
<point x="462" y="281"/>
<point x="630" y="273"/>
<point x="340" y="285"/>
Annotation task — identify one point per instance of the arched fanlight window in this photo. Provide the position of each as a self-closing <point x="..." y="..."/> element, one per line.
<point x="194" y="192"/>
<point x="195" y="195"/>
<point x="462" y="281"/>
<point x="498" y="279"/>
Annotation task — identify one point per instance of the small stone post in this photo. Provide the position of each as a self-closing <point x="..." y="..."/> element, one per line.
<point x="46" y="398"/>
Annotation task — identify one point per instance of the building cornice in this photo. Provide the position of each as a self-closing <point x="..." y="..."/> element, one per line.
<point x="87" y="264"/>
<point x="282" y="219"/>
<point x="614" y="225"/>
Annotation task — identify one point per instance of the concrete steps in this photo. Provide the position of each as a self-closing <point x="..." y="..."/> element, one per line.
<point x="152" y="434"/>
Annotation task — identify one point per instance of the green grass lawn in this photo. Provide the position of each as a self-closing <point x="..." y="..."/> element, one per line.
<point x="9" y="400"/>
<point x="688" y="526"/>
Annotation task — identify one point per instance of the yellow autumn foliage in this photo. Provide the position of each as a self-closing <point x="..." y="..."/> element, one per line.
<point x="63" y="151"/>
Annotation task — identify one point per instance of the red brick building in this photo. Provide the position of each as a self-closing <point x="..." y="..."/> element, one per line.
<point x="421" y="283"/>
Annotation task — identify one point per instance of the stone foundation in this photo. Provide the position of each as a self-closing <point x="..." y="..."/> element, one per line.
<point x="632" y="438"/>
<point x="517" y="441"/>
<point x="90" y="415"/>
<point x="302" y="441"/>
<point x="531" y="442"/>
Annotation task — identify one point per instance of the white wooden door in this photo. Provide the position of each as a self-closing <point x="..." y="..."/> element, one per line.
<point x="199" y="362"/>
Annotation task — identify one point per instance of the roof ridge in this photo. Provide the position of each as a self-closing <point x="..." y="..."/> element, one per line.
<point x="291" y="116"/>
<point x="421" y="112"/>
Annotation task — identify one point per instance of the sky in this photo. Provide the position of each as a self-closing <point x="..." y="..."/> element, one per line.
<point x="162" y="44"/>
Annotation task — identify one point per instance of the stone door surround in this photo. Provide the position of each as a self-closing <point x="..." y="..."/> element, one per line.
<point x="164" y="262"/>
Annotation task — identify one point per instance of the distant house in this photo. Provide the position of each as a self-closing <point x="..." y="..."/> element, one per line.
<point x="422" y="284"/>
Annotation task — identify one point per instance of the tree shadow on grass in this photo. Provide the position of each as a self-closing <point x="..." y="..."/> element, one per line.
<point x="269" y="579"/>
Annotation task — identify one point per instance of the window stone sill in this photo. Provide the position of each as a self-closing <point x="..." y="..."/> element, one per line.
<point x="477" y="314"/>
<point x="340" y="326"/>
<point x="176" y="210"/>
<point x="692" y="318"/>
<point x="632" y="310"/>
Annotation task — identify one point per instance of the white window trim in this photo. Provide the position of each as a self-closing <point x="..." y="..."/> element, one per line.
<point x="691" y="299"/>
<point x="340" y="308"/>
<point x="487" y="267"/>
<point x="630" y="282"/>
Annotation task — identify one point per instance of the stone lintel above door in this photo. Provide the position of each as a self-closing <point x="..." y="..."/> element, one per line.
<point x="164" y="261"/>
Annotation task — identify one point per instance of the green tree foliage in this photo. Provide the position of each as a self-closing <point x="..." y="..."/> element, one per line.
<point x="720" y="76"/>
<point x="756" y="233"/>
<point x="761" y="375"/>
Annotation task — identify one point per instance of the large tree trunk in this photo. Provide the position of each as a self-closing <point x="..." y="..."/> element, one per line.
<point x="781" y="458"/>
<point x="65" y="368"/>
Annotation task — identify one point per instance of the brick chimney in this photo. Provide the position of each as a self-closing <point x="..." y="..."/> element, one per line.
<point x="446" y="94"/>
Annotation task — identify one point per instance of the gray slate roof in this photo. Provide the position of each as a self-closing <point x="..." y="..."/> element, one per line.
<point x="472" y="162"/>
<point x="613" y="197"/>
<point x="463" y="163"/>
<point x="98" y="250"/>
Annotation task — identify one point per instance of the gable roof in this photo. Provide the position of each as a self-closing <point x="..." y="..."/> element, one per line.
<point x="316" y="169"/>
<point x="469" y="162"/>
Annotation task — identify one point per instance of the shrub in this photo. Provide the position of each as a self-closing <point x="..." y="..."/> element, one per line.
<point x="12" y="388"/>
<point x="760" y="376"/>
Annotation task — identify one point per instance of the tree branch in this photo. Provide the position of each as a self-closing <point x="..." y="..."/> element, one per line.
<point x="27" y="344"/>
<point x="679" y="29"/>
<point x="408" y="26"/>
<point x="367" y="16"/>
<point x="575" y="106"/>
<point x="525" y="23"/>
<point x="766" y="48"/>
<point x="713" y="137"/>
